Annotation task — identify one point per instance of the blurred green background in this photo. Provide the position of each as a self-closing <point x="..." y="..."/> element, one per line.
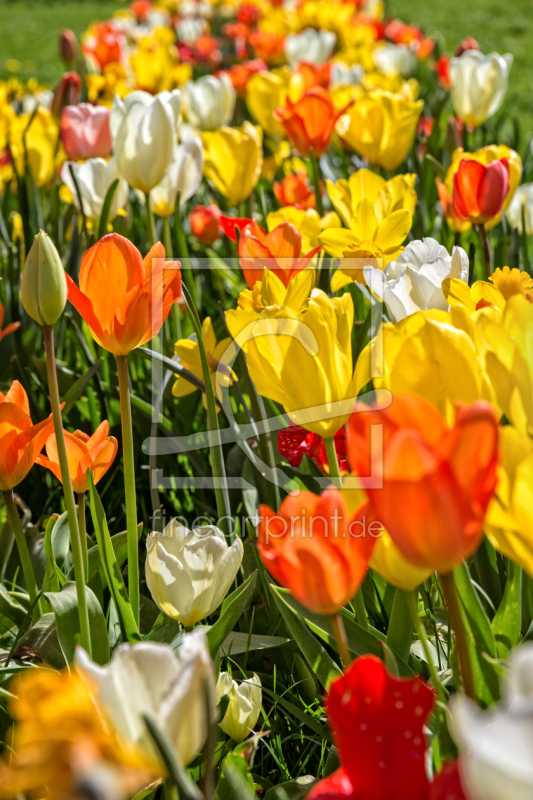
<point x="29" y="30"/>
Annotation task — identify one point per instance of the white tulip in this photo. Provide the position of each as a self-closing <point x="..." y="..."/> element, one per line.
<point x="184" y="176"/>
<point x="150" y="679"/>
<point x="189" y="572"/>
<point x="144" y="130"/>
<point x="309" y="45"/>
<point x="244" y="705"/>
<point x="209" y="102"/>
<point x="522" y="203"/>
<point x="190" y="29"/>
<point x="414" y="282"/>
<point x="94" y="178"/>
<point x="31" y="101"/>
<point x="343" y="75"/>
<point x="496" y="745"/>
<point x="479" y="84"/>
<point x="394" y="59"/>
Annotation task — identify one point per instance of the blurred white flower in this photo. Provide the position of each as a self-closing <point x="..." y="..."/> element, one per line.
<point x="522" y="203"/>
<point x="150" y="679"/>
<point x="209" y="102"/>
<point x="479" y="84"/>
<point x="31" y="101"/>
<point x="189" y="572"/>
<point x="343" y="75"/>
<point x="94" y="178"/>
<point x="184" y="176"/>
<point x="309" y="45"/>
<point x="394" y="59"/>
<point x="244" y="705"/>
<point x="189" y="29"/>
<point x="414" y="282"/>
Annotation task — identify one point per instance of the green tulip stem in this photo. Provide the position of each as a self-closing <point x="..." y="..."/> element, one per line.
<point x="83" y="534"/>
<point x="333" y="464"/>
<point x="129" y="485"/>
<point x="456" y="623"/>
<point x="180" y="242"/>
<point x="340" y="636"/>
<point x="75" y="539"/>
<point x="150" y="225"/>
<point x="24" y="553"/>
<point x="316" y="181"/>
<point x="412" y="602"/>
<point x="487" y="257"/>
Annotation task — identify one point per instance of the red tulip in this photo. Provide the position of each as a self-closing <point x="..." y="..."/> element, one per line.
<point x="295" y="442"/>
<point x="378" y="725"/>
<point x="479" y="191"/>
<point x="240" y="74"/>
<point x="310" y="121"/>
<point x="437" y="480"/>
<point x="85" y="131"/>
<point x="66" y="93"/>
<point x="204" y="222"/>
<point x="466" y="44"/>
<point x="232" y="225"/>
<point x="278" y="251"/>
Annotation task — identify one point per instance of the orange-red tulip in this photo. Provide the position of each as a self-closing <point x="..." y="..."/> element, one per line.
<point x="310" y="548"/>
<point x="479" y="191"/>
<point x="9" y="328"/>
<point x="204" y="222"/>
<point x="240" y="74"/>
<point x="124" y="299"/>
<point x="282" y="247"/>
<point x="294" y="190"/>
<point x="20" y="441"/>
<point x="96" y="452"/>
<point x="310" y="121"/>
<point x="313" y="74"/>
<point x="437" y="480"/>
<point x="268" y="45"/>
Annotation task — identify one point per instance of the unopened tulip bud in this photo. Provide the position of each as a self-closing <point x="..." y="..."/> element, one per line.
<point x="66" y="93"/>
<point x="68" y="46"/>
<point x="244" y="705"/>
<point x="466" y="44"/>
<point x="43" y="290"/>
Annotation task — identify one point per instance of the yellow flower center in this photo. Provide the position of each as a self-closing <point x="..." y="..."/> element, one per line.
<point x="511" y="281"/>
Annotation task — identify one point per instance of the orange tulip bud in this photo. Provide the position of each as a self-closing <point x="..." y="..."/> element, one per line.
<point x="310" y="121"/>
<point x="437" y="480"/>
<point x="124" y="299"/>
<point x="479" y="191"/>
<point x="20" y="441"/>
<point x="294" y="190"/>
<point x="282" y="247"/>
<point x="96" y="453"/>
<point x="204" y="222"/>
<point x="310" y="548"/>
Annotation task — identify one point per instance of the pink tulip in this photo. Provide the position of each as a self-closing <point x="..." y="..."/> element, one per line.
<point x="85" y="131"/>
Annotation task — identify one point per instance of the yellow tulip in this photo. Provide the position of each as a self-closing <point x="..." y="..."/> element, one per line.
<point x="102" y="88"/>
<point x="368" y="238"/>
<point x="304" y="361"/>
<point x="385" y="196"/>
<point x="266" y="91"/>
<point x="218" y="356"/>
<point x="509" y="360"/>
<point x="269" y="293"/>
<point x="41" y="141"/>
<point x="153" y="61"/>
<point x="509" y="520"/>
<point x="307" y="222"/>
<point x="437" y="355"/>
<point x="381" y="127"/>
<point x="486" y="156"/>
<point x="233" y="159"/>
<point x="472" y="298"/>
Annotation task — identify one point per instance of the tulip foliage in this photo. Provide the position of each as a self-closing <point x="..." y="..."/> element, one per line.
<point x="266" y="412"/>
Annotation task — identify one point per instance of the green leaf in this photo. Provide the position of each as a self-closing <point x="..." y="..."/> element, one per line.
<point x="401" y="627"/>
<point x="479" y="639"/>
<point x="232" y="609"/>
<point x="60" y="539"/>
<point x="120" y="546"/>
<point x="300" y="714"/>
<point x="236" y="642"/>
<point x="8" y="607"/>
<point x="291" y="790"/>
<point x="438" y="169"/>
<point x="176" y="771"/>
<point x="42" y="637"/>
<point x="65" y="605"/>
<point x="235" y="782"/>
<point x="78" y="387"/>
<point x="106" y="208"/>
<point x="314" y="653"/>
<point x="506" y="623"/>
<point x="128" y="626"/>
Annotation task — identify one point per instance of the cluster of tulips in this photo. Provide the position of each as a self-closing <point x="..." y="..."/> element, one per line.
<point x="305" y="219"/>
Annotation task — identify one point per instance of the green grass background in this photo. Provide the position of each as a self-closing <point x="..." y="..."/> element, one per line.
<point x="29" y="30"/>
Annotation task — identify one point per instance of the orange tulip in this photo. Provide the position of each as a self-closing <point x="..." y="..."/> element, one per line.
<point x="268" y="45"/>
<point x="309" y="75"/>
<point x="11" y="328"/>
<point x="96" y="453"/>
<point x="240" y="74"/>
<point x="479" y="191"/>
<point x="310" y="121"/>
<point x="124" y="299"/>
<point x="204" y="224"/>
<point x="20" y="441"/>
<point x="282" y="247"/>
<point x="437" y="481"/>
<point x="310" y="548"/>
<point x="294" y="190"/>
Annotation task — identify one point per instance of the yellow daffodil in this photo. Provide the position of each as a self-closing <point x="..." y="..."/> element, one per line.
<point x="269" y="293"/>
<point x="266" y="91"/>
<point x="368" y="238"/>
<point x="303" y="360"/>
<point x="438" y="355"/>
<point x="510" y="360"/>
<point x="381" y="127"/>
<point x="307" y="221"/>
<point x="232" y="160"/>
<point x="41" y="136"/>
<point x="154" y="60"/>
<point x="486" y="156"/>
<point x="102" y="88"/>
<point x="509" y="520"/>
<point x="386" y="196"/>
<point x="505" y="283"/>
<point x="218" y="356"/>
